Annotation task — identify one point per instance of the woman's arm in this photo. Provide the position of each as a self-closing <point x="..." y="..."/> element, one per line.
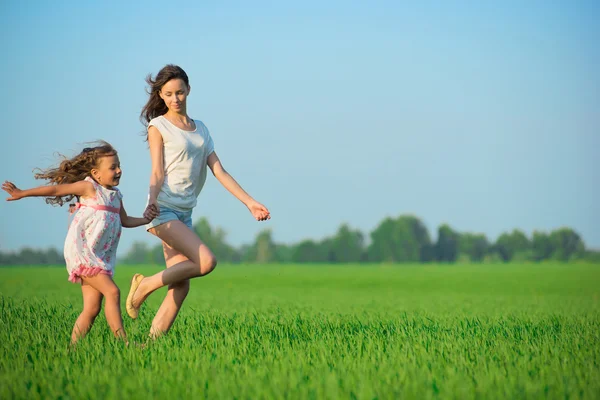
<point x="81" y="189"/>
<point x="157" y="176"/>
<point x="260" y="212"/>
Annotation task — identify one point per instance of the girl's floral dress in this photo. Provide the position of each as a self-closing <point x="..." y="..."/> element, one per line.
<point x="93" y="236"/>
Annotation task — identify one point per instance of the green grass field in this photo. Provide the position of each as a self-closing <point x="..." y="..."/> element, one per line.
<point x="365" y="332"/>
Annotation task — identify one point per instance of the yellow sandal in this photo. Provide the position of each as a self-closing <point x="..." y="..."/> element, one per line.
<point x="135" y="283"/>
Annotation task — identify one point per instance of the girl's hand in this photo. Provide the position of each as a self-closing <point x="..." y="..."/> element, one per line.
<point x="15" y="192"/>
<point x="151" y="212"/>
<point x="258" y="211"/>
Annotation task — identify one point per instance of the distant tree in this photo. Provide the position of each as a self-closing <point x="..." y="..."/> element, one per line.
<point x="383" y="242"/>
<point x="592" y="256"/>
<point x="567" y="244"/>
<point x="446" y="248"/>
<point x="138" y="254"/>
<point x="421" y="238"/>
<point x="309" y="251"/>
<point x="283" y="253"/>
<point x="509" y="244"/>
<point x="157" y="255"/>
<point x="214" y="238"/>
<point x="263" y="249"/>
<point x="244" y="252"/>
<point x="54" y="257"/>
<point x="7" y="258"/>
<point x="541" y="246"/>
<point x="347" y="245"/>
<point x="474" y="245"/>
<point x="29" y="256"/>
<point x="404" y="239"/>
<point x="326" y="250"/>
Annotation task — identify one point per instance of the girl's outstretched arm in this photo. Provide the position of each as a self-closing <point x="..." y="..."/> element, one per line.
<point x="81" y="189"/>
<point x="132" y="222"/>
<point x="258" y="211"/>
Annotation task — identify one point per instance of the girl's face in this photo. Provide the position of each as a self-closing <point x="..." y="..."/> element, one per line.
<point x="108" y="172"/>
<point x="174" y="93"/>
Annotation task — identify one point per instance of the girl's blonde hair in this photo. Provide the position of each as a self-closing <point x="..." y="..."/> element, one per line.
<point x="75" y="169"/>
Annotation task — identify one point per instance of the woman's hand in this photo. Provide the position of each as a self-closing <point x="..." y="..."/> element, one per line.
<point x="258" y="211"/>
<point x="151" y="212"/>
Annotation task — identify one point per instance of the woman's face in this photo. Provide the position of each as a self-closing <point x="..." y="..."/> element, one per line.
<point x="174" y="93"/>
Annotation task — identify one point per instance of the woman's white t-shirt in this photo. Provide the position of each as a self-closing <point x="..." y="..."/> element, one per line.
<point x="184" y="158"/>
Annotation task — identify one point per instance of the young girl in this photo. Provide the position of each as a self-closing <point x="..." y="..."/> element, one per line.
<point x="90" y="248"/>
<point x="181" y="150"/>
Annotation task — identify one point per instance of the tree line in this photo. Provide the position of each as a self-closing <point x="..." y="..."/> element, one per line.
<point x="404" y="239"/>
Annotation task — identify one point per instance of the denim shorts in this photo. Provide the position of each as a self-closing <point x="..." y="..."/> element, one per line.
<point x="168" y="214"/>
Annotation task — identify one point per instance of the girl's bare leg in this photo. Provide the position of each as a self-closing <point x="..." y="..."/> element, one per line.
<point x="112" y="307"/>
<point x="92" y="302"/>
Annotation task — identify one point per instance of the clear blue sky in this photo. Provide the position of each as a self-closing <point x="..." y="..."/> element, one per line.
<point x="483" y="116"/>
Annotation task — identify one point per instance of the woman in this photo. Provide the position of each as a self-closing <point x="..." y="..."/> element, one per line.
<point x="181" y="149"/>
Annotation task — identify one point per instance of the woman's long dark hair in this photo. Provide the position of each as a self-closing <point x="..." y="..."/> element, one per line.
<point x="155" y="105"/>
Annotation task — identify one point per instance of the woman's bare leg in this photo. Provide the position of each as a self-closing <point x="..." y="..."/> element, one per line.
<point x="197" y="260"/>
<point x="166" y="314"/>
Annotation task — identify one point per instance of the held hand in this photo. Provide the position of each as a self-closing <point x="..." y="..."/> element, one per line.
<point x="258" y="211"/>
<point x="15" y="192"/>
<point x="154" y="204"/>
<point x="151" y="212"/>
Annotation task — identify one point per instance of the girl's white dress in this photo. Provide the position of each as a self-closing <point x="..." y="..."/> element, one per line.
<point x="93" y="236"/>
